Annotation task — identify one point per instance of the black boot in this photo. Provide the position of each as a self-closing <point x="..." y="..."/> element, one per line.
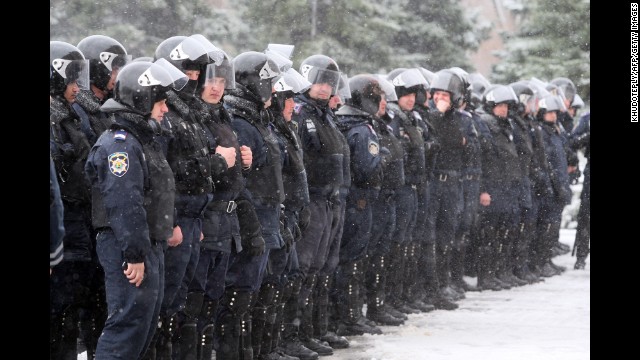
<point x="165" y="335"/>
<point x="205" y="338"/>
<point x="375" y="281"/>
<point x="228" y="325"/>
<point x="259" y="314"/>
<point x="63" y="335"/>
<point x="185" y="344"/>
<point x="290" y="342"/>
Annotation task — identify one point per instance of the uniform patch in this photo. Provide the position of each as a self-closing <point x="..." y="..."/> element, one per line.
<point x="297" y="107"/>
<point x="374" y="149"/>
<point x="119" y="163"/>
<point x="120" y="135"/>
<point x="311" y="127"/>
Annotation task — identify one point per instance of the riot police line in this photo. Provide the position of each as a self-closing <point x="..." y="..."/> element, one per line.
<point x="241" y="208"/>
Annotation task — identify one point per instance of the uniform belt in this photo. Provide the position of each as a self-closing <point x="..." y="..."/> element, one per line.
<point x="226" y="206"/>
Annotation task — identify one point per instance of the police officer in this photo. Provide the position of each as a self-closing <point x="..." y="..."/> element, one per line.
<point x="264" y="191"/>
<point x="56" y="225"/>
<point x="189" y="158"/>
<point x="70" y="283"/>
<point x="106" y="56"/>
<point x="133" y="206"/>
<point x="445" y="190"/>
<point x="580" y="139"/>
<point x="324" y="161"/>
<point x="548" y="226"/>
<point x="296" y="190"/>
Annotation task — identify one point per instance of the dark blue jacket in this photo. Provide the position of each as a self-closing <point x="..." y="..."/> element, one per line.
<point x="56" y="213"/>
<point x="133" y="187"/>
<point x="555" y="144"/>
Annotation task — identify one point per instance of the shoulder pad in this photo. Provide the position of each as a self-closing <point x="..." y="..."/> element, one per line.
<point x="120" y="135"/>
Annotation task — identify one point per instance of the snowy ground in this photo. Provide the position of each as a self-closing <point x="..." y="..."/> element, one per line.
<point x="548" y="320"/>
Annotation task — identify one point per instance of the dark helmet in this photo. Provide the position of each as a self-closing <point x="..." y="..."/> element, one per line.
<point x="387" y="87"/>
<point x="549" y="102"/>
<point x="525" y="95"/>
<point x="447" y="80"/>
<point x="141" y="84"/>
<point x="498" y="94"/>
<point x="577" y="102"/>
<point x="479" y="84"/>
<point x="286" y="86"/>
<point x="366" y="93"/>
<point x="223" y="70"/>
<point x="183" y="52"/>
<point x="105" y="55"/>
<point x="321" y="69"/>
<point x="567" y="87"/>
<point x="421" y="96"/>
<point x="466" y="82"/>
<point x="407" y="81"/>
<point x="256" y="71"/>
<point x="67" y="65"/>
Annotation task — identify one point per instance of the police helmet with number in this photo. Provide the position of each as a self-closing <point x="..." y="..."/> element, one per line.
<point x="67" y="65"/>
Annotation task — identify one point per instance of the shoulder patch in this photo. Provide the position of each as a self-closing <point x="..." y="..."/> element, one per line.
<point x="120" y="135"/>
<point x="297" y="107"/>
<point x="119" y="163"/>
<point x="374" y="149"/>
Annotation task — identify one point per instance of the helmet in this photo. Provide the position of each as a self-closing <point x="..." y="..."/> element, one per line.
<point x="321" y="69"/>
<point x="344" y="91"/>
<point x="143" y="58"/>
<point x="549" y="102"/>
<point x="105" y="54"/>
<point x="223" y="70"/>
<point x="525" y="95"/>
<point x="407" y="81"/>
<point x="567" y="87"/>
<point x="141" y="84"/>
<point x="447" y="80"/>
<point x="256" y="71"/>
<point x="498" y="94"/>
<point x="466" y="83"/>
<point x="479" y="84"/>
<point x="387" y="87"/>
<point x="281" y="54"/>
<point x="366" y="93"/>
<point x="183" y="52"/>
<point x="577" y="102"/>
<point x="287" y="85"/>
<point x="67" y="65"/>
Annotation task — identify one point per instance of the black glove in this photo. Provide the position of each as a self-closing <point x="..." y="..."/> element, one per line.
<point x="68" y="150"/>
<point x="253" y="245"/>
<point x="286" y="234"/>
<point x="304" y="218"/>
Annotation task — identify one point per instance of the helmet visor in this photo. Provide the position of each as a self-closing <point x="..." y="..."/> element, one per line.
<point x="224" y="71"/>
<point x="73" y="71"/>
<point x="291" y="80"/>
<point x="344" y="91"/>
<point x="322" y="76"/>
<point x="387" y="87"/>
<point x="216" y="55"/>
<point x="283" y="62"/>
<point x="163" y="73"/>
<point x="409" y="78"/>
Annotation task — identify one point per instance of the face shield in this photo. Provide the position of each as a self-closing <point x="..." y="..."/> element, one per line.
<point x="215" y="54"/>
<point x="164" y="74"/>
<point x="291" y="80"/>
<point x="577" y="102"/>
<point x="344" y="91"/>
<point x="316" y="75"/>
<point x="410" y="78"/>
<point x="281" y="55"/>
<point x="73" y="71"/>
<point x="387" y="87"/>
<point x="225" y="71"/>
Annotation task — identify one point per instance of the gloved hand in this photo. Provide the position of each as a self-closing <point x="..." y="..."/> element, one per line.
<point x="286" y="235"/>
<point x="68" y="150"/>
<point x="304" y="218"/>
<point x="254" y="245"/>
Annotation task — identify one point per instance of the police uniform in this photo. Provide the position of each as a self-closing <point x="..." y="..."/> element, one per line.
<point x="133" y="210"/>
<point x="580" y="139"/>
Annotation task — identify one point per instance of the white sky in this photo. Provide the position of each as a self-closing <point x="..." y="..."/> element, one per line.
<point x="543" y="321"/>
